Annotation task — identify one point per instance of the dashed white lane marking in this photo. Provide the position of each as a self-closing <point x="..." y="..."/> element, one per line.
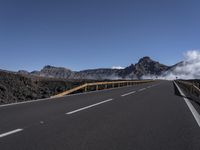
<point x="80" y="109"/>
<point x="141" y="89"/>
<point x="191" y="107"/>
<point x="128" y="93"/>
<point x="148" y="87"/>
<point x="10" y="132"/>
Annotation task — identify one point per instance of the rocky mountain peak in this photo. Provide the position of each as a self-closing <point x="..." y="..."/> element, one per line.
<point x="145" y="59"/>
<point x="23" y="72"/>
<point x="54" y="72"/>
<point x="49" y="67"/>
<point x="147" y="66"/>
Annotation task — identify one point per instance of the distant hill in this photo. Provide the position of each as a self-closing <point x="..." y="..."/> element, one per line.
<point x="54" y="72"/>
<point x="145" y="66"/>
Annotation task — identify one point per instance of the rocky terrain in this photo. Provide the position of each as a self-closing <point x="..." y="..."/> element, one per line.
<point x="16" y="87"/>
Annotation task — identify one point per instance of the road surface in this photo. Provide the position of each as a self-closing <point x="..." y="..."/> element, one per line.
<point x="151" y="116"/>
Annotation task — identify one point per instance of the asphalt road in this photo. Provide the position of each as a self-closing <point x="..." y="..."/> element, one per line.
<point x="150" y="116"/>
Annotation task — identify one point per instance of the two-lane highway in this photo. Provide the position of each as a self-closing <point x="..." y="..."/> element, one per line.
<point x="143" y="117"/>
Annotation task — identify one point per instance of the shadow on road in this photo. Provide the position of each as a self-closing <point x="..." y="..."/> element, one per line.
<point x="176" y="91"/>
<point x="188" y="96"/>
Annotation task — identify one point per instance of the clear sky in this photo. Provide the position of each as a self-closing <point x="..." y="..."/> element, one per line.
<point x="82" y="34"/>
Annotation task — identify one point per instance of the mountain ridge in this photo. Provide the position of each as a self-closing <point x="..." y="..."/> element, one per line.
<point x="145" y="66"/>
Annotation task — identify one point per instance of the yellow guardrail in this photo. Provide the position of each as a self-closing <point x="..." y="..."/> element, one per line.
<point x="112" y="84"/>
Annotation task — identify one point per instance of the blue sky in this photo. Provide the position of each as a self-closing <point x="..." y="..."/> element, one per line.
<point x="82" y="34"/>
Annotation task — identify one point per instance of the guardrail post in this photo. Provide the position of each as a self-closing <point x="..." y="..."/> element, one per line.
<point x="97" y="87"/>
<point x="85" y="89"/>
<point x="106" y="86"/>
<point x="113" y="85"/>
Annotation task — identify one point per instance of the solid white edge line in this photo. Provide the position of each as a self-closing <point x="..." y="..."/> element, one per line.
<point x="25" y="102"/>
<point x="190" y="106"/>
<point x="128" y="93"/>
<point x="10" y="132"/>
<point x="80" y="109"/>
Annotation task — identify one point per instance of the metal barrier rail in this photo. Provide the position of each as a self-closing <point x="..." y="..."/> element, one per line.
<point x="191" y="87"/>
<point x="98" y="86"/>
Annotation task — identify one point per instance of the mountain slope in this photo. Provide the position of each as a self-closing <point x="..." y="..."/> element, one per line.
<point x="147" y="66"/>
<point x="54" y="72"/>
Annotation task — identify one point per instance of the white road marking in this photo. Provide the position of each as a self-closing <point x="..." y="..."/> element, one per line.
<point x="80" y="109"/>
<point x="149" y="87"/>
<point x="128" y="93"/>
<point x="25" y="102"/>
<point x="41" y="122"/>
<point x="141" y="89"/>
<point x="191" y="107"/>
<point x="10" y="132"/>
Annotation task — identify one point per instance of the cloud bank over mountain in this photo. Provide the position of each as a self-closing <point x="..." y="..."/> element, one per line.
<point x="189" y="68"/>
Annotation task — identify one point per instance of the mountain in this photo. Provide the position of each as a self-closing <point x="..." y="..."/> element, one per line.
<point x="145" y="66"/>
<point x="54" y="72"/>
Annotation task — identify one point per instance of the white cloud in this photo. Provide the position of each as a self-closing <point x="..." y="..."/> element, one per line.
<point x="189" y="69"/>
<point x="117" y="67"/>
